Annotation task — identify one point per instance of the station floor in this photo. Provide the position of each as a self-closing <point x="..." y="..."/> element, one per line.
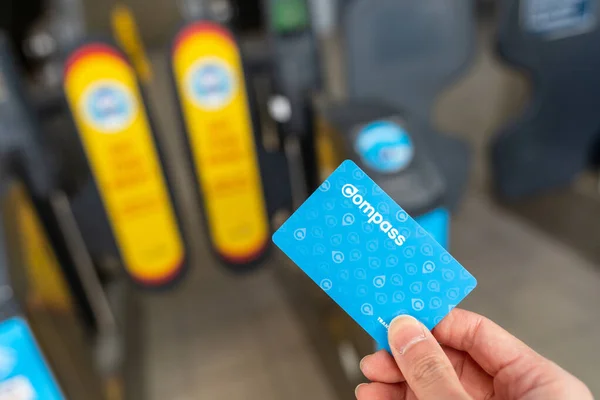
<point x="225" y="337"/>
<point x="221" y="336"/>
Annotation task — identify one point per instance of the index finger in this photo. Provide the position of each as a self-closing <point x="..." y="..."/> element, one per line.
<point x="487" y="343"/>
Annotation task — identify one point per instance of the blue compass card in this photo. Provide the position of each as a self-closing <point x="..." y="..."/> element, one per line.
<point x="370" y="256"/>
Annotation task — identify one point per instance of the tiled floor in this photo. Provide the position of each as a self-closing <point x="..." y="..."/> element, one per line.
<point x="220" y="336"/>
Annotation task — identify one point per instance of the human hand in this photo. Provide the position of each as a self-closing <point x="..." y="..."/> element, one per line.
<point x="474" y="359"/>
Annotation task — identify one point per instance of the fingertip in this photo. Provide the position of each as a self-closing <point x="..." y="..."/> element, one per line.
<point x="402" y="322"/>
<point x="359" y="389"/>
<point x="378" y="390"/>
<point x="381" y="367"/>
<point x="367" y="361"/>
<point x="421" y="359"/>
<point x="364" y="362"/>
<point x="404" y="332"/>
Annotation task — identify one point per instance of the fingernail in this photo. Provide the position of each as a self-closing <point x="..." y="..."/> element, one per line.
<point x="405" y="331"/>
<point x="358" y="388"/>
<point x="362" y="362"/>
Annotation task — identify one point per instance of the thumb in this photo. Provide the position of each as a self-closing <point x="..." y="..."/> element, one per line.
<point x="423" y="363"/>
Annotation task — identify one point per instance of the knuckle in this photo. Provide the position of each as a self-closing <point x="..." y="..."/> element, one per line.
<point x="429" y="369"/>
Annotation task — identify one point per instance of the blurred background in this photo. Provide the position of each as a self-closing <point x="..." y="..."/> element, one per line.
<point x="148" y="149"/>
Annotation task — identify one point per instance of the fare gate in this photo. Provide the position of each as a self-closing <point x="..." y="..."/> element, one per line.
<point x="44" y="347"/>
<point x="117" y="138"/>
<point x="240" y="184"/>
<point x="556" y="135"/>
<point x="404" y="53"/>
<point x="46" y="313"/>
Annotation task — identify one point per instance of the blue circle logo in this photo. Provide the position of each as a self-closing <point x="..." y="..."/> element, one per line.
<point x="385" y="147"/>
<point x="109" y="106"/>
<point x="210" y="83"/>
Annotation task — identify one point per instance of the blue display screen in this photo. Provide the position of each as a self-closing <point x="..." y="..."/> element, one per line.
<point x="24" y="374"/>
